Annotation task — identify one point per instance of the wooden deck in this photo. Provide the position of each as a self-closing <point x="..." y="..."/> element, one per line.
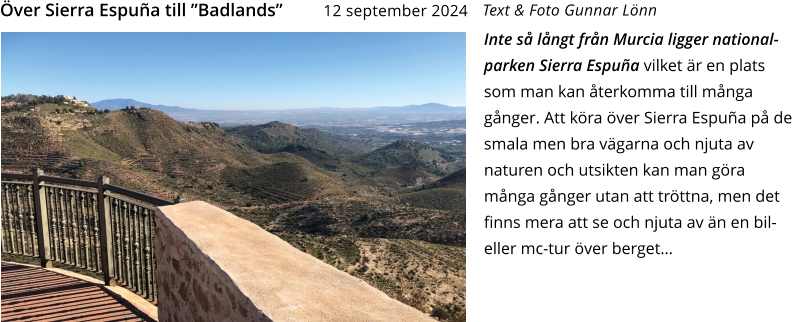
<point x="36" y="294"/>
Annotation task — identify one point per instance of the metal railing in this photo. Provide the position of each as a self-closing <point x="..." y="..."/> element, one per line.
<point x="94" y="226"/>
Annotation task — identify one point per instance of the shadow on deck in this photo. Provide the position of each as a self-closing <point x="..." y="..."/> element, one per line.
<point x="36" y="294"/>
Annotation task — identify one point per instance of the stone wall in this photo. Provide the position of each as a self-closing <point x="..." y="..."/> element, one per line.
<point x="190" y="287"/>
<point x="214" y="266"/>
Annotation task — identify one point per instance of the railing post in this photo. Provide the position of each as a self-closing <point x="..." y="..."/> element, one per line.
<point x="105" y="231"/>
<point x="42" y="222"/>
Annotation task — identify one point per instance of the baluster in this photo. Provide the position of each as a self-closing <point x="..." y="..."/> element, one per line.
<point x="141" y="250"/>
<point x="30" y="220"/>
<point x="67" y="237"/>
<point x="9" y="219"/>
<point x="63" y="225"/>
<point x="118" y="244"/>
<point x="89" y="259"/>
<point x="73" y="236"/>
<point x="5" y="219"/>
<point x="31" y="210"/>
<point x="74" y="211"/>
<point x="58" y="215"/>
<point x="121" y="250"/>
<point x="85" y="247"/>
<point x="66" y="202"/>
<point x="152" y="258"/>
<point x="127" y="244"/>
<point x="9" y="216"/>
<point x="74" y="206"/>
<point x="25" y="219"/>
<point x="3" y="224"/>
<point x="12" y="219"/>
<point x="87" y="231"/>
<point x="20" y="221"/>
<point x="122" y="216"/>
<point x="80" y="215"/>
<point x="95" y="239"/>
<point x="146" y="262"/>
<point x="131" y="260"/>
<point x="136" y="247"/>
<point x="52" y="215"/>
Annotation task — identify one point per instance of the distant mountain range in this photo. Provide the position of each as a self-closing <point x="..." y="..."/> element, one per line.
<point x="121" y="103"/>
<point x="423" y="108"/>
<point x="302" y="117"/>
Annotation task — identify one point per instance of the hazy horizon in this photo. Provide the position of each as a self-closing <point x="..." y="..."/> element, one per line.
<point x="274" y="109"/>
<point x="240" y="71"/>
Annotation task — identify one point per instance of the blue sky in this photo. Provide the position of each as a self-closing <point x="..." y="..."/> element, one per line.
<point x="239" y="71"/>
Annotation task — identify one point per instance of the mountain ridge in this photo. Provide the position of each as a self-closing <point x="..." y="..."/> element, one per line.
<point x="120" y="103"/>
<point x="353" y="222"/>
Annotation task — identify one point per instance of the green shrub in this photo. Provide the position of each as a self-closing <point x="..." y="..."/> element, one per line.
<point x="440" y="313"/>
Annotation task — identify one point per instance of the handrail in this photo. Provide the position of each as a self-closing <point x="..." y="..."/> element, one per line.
<point x="137" y="195"/>
<point x="73" y="182"/>
<point x="61" y="187"/>
<point x="17" y="176"/>
<point x="127" y="200"/>
<point x="90" y="184"/>
<point x="16" y="182"/>
<point x="92" y="225"/>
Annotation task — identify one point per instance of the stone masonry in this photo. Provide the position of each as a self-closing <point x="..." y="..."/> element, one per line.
<point x="213" y="266"/>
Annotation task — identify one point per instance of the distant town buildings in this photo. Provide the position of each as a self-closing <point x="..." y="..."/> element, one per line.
<point x="72" y="101"/>
<point x="408" y="130"/>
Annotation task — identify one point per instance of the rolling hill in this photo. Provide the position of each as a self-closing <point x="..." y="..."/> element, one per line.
<point x="143" y="149"/>
<point x="301" y="189"/>
<point x="276" y="136"/>
<point x="408" y="151"/>
<point x="407" y="175"/>
<point x="447" y="193"/>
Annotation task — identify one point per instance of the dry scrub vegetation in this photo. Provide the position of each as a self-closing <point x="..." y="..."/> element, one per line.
<point x="393" y="217"/>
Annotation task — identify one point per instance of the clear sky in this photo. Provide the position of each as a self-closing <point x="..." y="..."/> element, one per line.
<point x="239" y="71"/>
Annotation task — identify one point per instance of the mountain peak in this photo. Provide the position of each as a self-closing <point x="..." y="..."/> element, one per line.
<point x="278" y="125"/>
<point x="121" y="103"/>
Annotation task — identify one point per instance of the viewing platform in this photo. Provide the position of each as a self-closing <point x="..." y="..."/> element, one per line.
<point x="36" y="294"/>
<point x="162" y="261"/>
